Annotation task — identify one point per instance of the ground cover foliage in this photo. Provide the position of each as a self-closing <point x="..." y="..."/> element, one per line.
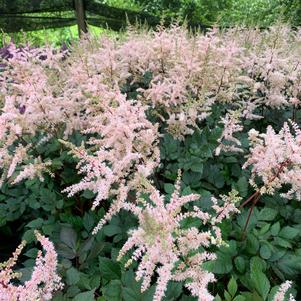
<point x="159" y="165"/>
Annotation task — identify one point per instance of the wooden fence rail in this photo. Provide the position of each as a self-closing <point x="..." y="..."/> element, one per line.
<point x="14" y="17"/>
<point x="28" y="15"/>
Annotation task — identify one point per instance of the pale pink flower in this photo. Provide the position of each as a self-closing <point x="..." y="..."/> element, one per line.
<point x="162" y="246"/>
<point x="280" y="295"/>
<point x="44" y="280"/>
<point x="276" y="159"/>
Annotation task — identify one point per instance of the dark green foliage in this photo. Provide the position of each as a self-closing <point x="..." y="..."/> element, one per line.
<point x="201" y="12"/>
<point x="247" y="269"/>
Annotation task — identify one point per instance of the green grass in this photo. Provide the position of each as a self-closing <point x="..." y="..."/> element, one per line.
<point x="54" y="36"/>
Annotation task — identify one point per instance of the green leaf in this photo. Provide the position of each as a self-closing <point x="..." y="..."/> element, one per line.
<point x="242" y="186"/>
<point x="232" y="287"/>
<point x="256" y="263"/>
<point x="131" y="290"/>
<point x="65" y="251"/>
<point x="32" y="253"/>
<point x="84" y="282"/>
<point x="264" y="229"/>
<point x="68" y="236"/>
<point x="86" y="245"/>
<point x="109" y="269"/>
<point x="111" y="230"/>
<point x="169" y="188"/>
<point x="72" y="275"/>
<point x="36" y="224"/>
<point x="259" y="279"/>
<point x="290" y="264"/>
<point x="29" y="235"/>
<point x="240" y="264"/>
<point x="222" y="265"/>
<point x="113" y="291"/>
<point x="265" y="251"/>
<point x="57" y="163"/>
<point x="227" y="296"/>
<point x="218" y="298"/>
<point x="60" y="297"/>
<point x="267" y="214"/>
<point x="88" y="194"/>
<point x="88" y="221"/>
<point x="252" y="244"/>
<point x="251" y="296"/>
<point x="197" y="167"/>
<point x="85" y="296"/>
<point x="282" y="242"/>
<point x="173" y="291"/>
<point x="239" y="298"/>
<point x="288" y="232"/>
<point x="275" y="229"/>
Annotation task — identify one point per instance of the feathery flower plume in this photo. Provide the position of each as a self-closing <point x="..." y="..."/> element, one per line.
<point x="164" y="246"/>
<point x="280" y="295"/>
<point x="276" y="159"/>
<point x="44" y="280"/>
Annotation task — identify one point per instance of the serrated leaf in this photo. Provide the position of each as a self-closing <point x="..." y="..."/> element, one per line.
<point x="109" y="268"/>
<point x="88" y="221"/>
<point x="290" y="264"/>
<point x="260" y="281"/>
<point x="275" y="229"/>
<point x="265" y="251"/>
<point x="68" y="236"/>
<point x="240" y="264"/>
<point x="264" y="229"/>
<point x="267" y="214"/>
<point x="232" y="287"/>
<point x="111" y="230"/>
<point x="256" y="263"/>
<point x="288" y="232"/>
<point x="113" y="291"/>
<point x="252" y="244"/>
<point x="227" y="296"/>
<point x="73" y="276"/>
<point x="173" y="291"/>
<point x="85" y="296"/>
<point x="242" y="186"/>
<point x="65" y="251"/>
<point x="282" y="242"/>
<point x="197" y="167"/>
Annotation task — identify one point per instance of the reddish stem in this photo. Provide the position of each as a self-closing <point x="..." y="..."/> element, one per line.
<point x="250" y="212"/>
<point x="249" y="199"/>
<point x="256" y="195"/>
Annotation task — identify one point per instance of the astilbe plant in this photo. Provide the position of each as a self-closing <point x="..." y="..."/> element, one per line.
<point x="276" y="159"/>
<point x="121" y="153"/>
<point x="270" y="64"/>
<point x="48" y="93"/>
<point x="232" y="124"/>
<point x="44" y="280"/>
<point x="274" y="64"/>
<point x="163" y="245"/>
<point x="192" y="74"/>
<point x="270" y="72"/>
<point x="29" y="107"/>
<point x="109" y="89"/>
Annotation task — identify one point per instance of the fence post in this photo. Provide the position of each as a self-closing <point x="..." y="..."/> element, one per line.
<point x="80" y="16"/>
